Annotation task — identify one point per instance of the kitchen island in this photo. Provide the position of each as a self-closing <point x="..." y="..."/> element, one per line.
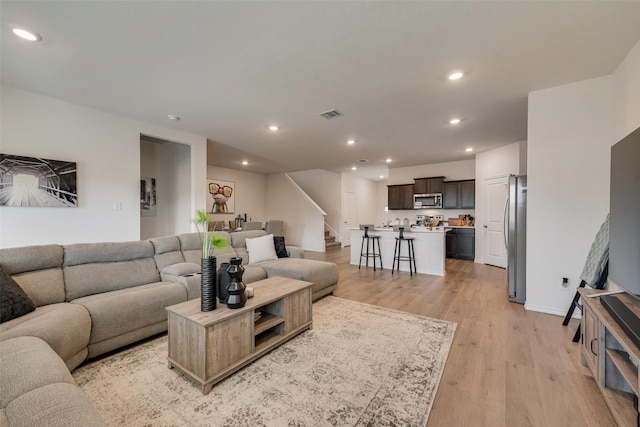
<point x="429" y="245"/>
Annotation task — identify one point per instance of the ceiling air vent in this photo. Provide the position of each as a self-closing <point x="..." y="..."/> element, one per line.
<point x="331" y="114"/>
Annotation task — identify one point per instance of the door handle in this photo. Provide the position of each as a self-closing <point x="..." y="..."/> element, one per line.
<point x="505" y="225"/>
<point x="591" y="346"/>
<point x="484" y="226"/>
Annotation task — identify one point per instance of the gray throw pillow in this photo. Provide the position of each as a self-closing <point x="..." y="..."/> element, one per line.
<point x="14" y="302"/>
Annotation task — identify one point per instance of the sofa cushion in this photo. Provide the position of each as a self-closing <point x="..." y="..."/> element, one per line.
<point x="261" y="249"/>
<point x="54" y="405"/>
<point x="90" y="279"/>
<point x="321" y="273"/>
<point x="30" y="258"/>
<point x="86" y="253"/>
<point x="167" y="251"/>
<point x="38" y="271"/>
<point x="253" y="274"/>
<point x="27" y="363"/>
<point x="43" y="286"/>
<point x="14" y="302"/>
<point x="65" y="327"/>
<point x="122" y="311"/>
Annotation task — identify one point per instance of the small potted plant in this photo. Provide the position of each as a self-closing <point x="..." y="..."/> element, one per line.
<point x="209" y="242"/>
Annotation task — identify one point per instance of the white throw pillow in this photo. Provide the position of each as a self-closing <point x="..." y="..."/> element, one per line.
<point x="261" y="249"/>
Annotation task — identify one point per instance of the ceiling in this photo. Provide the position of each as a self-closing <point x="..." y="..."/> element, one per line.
<point x="231" y="69"/>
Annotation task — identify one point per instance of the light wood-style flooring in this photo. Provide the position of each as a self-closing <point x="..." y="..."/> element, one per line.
<point x="507" y="366"/>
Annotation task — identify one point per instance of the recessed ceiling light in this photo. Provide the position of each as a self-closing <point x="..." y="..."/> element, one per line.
<point x="244" y="162"/>
<point x="456" y="75"/>
<point x="351" y="141"/>
<point x="273" y="128"/>
<point x="27" y="35"/>
<point x="468" y="149"/>
<point x="173" y="117"/>
<point x="381" y="176"/>
<point x="353" y="168"/>
<point x="389" y="160"/>
<point x="454" y="121"/>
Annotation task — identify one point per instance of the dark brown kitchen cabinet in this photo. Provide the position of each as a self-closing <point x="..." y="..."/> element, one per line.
<point x="400" y="197"/>
<point x="428" y="185"/>
<point x="461" y="243"/>
<point x="459" y="194"/>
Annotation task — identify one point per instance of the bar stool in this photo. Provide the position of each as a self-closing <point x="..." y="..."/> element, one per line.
<point x="370" y="251"/>
<point x="398" y="250"/>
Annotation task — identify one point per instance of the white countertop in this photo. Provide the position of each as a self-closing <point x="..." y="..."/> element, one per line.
<point x="409" y="230"/>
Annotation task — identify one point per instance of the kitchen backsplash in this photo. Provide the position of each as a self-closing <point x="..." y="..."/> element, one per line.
<point x="411" y="214"/>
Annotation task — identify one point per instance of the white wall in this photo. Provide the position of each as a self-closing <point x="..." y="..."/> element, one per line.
<point x="365" y="195"/>
<point x="506" y="160"/>
<point x="324" y="188"/>
<point x="570" y="135"/>
<point x="626" y="95"/>
<point x="250" y="193"/>
<point x="571" y="130"/>
<point x="303" y="218"/>
<point x="169" y="164"/>
<point x="106" y="149"/>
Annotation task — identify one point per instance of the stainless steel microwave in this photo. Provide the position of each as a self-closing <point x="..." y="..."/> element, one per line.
<point x="427" y="201"/>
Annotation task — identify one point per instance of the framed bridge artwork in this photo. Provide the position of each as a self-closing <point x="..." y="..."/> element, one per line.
<point x="221" y="196"/>
<point x="37" y="182"/>
<point x="148" y="197"/>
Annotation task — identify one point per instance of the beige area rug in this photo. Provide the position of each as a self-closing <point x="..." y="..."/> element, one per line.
<point x="360" y="365"/>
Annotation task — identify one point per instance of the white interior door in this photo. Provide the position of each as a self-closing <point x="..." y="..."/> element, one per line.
<point x="349" y="212"/>
<point x="495" y="197"/>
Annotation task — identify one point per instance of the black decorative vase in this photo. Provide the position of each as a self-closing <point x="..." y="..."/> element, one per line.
<point x="236" y="297"/>
<point x="223" y="281"/>
<point x="208" y="284"/>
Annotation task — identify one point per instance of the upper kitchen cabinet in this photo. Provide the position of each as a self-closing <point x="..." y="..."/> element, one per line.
<point x="459" y="194"/>
<point x="428" y="185"/>
<point x="400" y="196"/>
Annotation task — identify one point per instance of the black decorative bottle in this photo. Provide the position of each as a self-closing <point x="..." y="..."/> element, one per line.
<point x="208" y="284"/>
<point x="223" y="280"/>
<point x="236" y="297"/>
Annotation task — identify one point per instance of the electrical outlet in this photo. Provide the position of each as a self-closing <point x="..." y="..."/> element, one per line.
<point x="117" y="206"/>
<point x="565" y="284"/>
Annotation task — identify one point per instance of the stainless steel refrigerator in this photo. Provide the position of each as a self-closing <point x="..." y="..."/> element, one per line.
<point x="516" y="238"/>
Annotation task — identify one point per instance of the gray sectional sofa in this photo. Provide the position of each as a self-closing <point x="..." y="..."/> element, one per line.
<point x="95" y="298"/>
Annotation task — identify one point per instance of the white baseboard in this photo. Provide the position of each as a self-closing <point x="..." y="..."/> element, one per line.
<point x="541" y="309"/>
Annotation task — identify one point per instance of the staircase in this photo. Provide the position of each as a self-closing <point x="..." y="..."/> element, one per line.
<point x="330" y="242"/>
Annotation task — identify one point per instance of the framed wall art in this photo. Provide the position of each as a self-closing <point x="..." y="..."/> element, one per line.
<point x="221" y="196"/>
<point x="148" y="199"/>
<point x="37" y="182"/>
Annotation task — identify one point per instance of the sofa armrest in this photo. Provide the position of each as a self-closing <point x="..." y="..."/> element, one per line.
<point x="295" y="251"/>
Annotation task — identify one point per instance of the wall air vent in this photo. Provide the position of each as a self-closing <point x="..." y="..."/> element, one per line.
<point x="331" y="114"/>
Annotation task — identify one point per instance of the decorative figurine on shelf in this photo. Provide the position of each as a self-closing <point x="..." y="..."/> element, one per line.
<point x="236" y="297"/>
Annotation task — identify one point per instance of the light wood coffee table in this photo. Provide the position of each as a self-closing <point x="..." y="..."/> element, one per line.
<point x="209" y="346"/>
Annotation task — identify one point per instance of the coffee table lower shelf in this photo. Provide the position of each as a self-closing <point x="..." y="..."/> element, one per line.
<point x="210" y="346"/>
